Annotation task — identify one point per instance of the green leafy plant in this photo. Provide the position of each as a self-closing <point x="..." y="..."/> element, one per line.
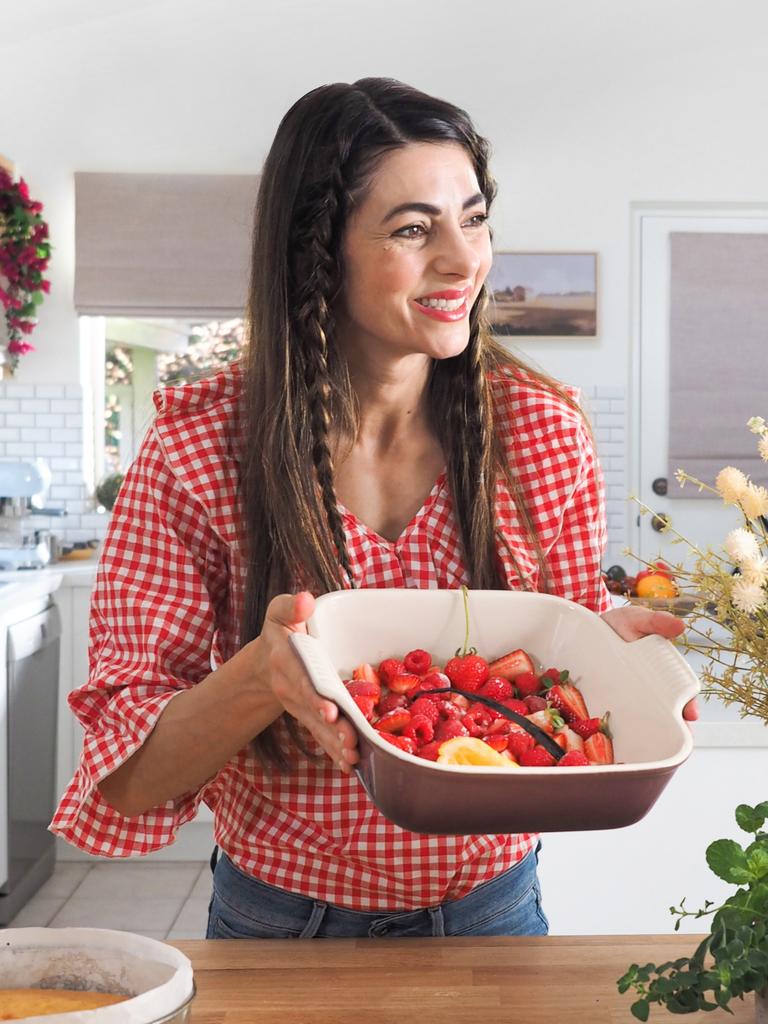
<point x="733" y="959"/>
<point x="108" y="489"/>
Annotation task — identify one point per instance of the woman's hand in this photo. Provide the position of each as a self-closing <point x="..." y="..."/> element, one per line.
<point x="284" y="674"/>
<point x="634" y="622"/>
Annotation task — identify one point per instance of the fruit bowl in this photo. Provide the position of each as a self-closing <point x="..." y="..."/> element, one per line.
<point x="644" y="685"/>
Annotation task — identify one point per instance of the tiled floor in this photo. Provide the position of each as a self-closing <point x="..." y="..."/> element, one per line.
<point x="163" y="901"/>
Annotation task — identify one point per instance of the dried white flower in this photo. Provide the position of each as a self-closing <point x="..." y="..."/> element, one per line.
<point x="731" y="484"/>
<point x="747" y="597"/>
<point x="741" y="545"/>
<point x="763" y="448"/>
<point x="755" y="570"/>
<point x="757" y="425"/>
<point x="754" y="501"/>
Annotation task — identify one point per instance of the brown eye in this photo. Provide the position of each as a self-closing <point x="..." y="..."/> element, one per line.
<point x="411" y="231"/>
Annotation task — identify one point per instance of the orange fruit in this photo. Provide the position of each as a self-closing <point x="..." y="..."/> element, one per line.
<point x="471" y="750"/>
<point x="657" y="586"/>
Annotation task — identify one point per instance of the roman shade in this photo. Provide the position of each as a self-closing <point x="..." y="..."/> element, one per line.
<point x="718" y="354"/>
<point x="163" y="244"/>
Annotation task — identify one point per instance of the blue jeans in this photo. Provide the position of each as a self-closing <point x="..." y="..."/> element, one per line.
<point x="245" y="908"/>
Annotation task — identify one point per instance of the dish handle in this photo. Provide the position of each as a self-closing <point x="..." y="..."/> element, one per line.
<point x="659" y="660"/>
<point x="320" y="669"/>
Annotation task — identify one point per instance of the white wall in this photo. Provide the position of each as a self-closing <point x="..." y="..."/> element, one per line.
<point x="589" y="106"/>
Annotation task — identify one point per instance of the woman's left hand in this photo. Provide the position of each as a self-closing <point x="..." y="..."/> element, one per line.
<point x="634" y="622"/>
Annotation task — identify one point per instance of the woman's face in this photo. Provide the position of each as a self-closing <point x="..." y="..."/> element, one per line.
<point x="416" y="252"/>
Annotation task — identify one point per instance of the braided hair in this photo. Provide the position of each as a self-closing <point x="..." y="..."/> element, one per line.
<point x="297" y="385"/>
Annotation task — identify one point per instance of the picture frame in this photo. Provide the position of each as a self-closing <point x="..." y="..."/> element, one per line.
<point x="543" y="295"/>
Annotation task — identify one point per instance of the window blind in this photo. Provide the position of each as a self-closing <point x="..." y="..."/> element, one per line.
<point x="163" y="244"/>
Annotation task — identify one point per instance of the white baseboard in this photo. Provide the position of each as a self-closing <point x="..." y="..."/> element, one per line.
<point x="193" y="843"/>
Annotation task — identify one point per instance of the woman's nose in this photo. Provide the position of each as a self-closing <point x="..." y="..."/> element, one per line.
<point x="457" y="255"/>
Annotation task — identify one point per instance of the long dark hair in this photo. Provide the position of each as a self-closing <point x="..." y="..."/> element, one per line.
<point x="296" y="380"/>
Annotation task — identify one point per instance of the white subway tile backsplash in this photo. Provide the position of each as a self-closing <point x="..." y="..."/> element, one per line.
<point x="74" y="420"/>
<point x="19" y="419"/>
<point x="42" y="405"/>
<point x="60" y="492"/>
<point x="49" y="390"/>
<point x="13" y="390"/>
<point x="9" y="405"/>
<point x="603" y="391"/>
<point x="20" y="449"/>
<point x="53" y="420"/>
<point x="47" y="449"/>
<point x="73" y="391"/>
<point x="9" y="434"/>
<point x="66" y="405"/>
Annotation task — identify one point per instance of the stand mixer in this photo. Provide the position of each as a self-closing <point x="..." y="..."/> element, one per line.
<point x="20" y="483"/>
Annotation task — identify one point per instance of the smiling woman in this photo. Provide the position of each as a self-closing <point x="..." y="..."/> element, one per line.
<point x="374" y="436"/>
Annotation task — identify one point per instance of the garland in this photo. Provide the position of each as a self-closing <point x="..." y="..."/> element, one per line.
<point x="24" y="254"/>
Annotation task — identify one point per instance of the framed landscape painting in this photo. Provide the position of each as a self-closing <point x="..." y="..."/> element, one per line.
<point x="543" y="294"/>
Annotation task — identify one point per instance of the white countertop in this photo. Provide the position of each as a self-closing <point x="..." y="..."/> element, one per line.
<point x="27" y="584"/>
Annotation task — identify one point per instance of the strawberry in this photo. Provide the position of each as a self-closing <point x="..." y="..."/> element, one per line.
<point x="448" y="709"/>
<point x="554" y="675"/>
<point x="534" y="703"/>
<point x="599" y="749"/>
<point x="403" y="683"/>
<point x="496" y="688"/>
<point x="417" y="661"/>
<point x="538" y="757"/>
<point x="569" y="740"/>
<point x="511" y="665"/>
<point x="467" y="672"/>
<point x="394" y="721"/>
<point x="500" y="727"/>
<point x="548" y="720"/>
<point x="447" y="728"/>
<point x="430" y="751"/>
<point x="420" y="729"/>
<point x="567" y="699"/>
<point x="519" y="743"/>
<point x="434" y="681"/>
<point x="366" y="672"/>
<point x="586" y="728"/>
<point x="427" y="707"/>
<point x="392" y="701"/>
<point x="573" y="759"/>
<point x="459" y="700"/>
<point x="527" y="683"/>
<point x="402" y="742"/>
<point x="389" y="668"/>
<point x="496" y="741"/>
<point x="363" y="688"/>
<point x="366" y="705"/>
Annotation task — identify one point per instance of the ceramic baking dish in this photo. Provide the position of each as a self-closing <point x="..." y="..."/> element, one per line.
<point x="643" y="684"/>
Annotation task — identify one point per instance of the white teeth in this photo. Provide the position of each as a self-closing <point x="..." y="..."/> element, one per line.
<point x="448" y="304"/>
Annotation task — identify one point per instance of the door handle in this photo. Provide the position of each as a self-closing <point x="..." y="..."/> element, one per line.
<point x="661" y="522"/>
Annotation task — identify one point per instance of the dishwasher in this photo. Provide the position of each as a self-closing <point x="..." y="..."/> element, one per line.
<point x="31" y="701"/>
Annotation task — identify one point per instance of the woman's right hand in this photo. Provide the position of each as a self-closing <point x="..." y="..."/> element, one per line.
<point x="284" y="674"/>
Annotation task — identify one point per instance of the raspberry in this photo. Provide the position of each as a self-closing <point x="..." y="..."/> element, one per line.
<point x="389" y="668"/>
<point x="537" y="758"/>
<point x="519" y="743"/>
<point x="535" y="704"/>
<point x="417" y="661"/>
<point x="448" y="728"/>
<point x="427" y="707"/>
<point x="496" y="688"/>
<point x="526" y="683"/>
<point x="478" y="719"/>
<point x="574" y="758"/>
<point x="496" y="740"/>
<point x="430" y="751"/>
<point x="448" y="709"/>
<point x="517" y="705"/>
<point x="420" y="729"/>
<point x="403" y="742"/>
<point x="392" y="701"/>
<point x="434" y="681"/>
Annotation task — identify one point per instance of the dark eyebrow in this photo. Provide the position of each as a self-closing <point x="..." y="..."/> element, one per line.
<point x="433" y="211"/>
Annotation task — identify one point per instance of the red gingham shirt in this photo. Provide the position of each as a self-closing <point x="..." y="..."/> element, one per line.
<point x="167" y="600"/>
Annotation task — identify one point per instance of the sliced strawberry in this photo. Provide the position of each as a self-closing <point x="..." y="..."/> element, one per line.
<point x="366" y="705"/>
<point x="511" y="665"/>
<point x="394" y="721"/>
<point x="537" y="758"/>
<point x="599" y="749"/>
<point x="404" y="682"/>
<point x="459" y="700"/>
<point x="500" y="727"/>
<point x="496" y="741"/>
<point x="420" y="729"/>
<point x="392" y="701"/>
<point x="364" y="688"/>
<point x="569" y="740"/>
<point x="496" y="688"/>
<point x="573" y="759"/>
<point x="567" y="699"/>
<point x="548" y="720"/>
<point x="403" y="742"/>
<point x="434" y="681"/>
<point x="389" y="668"/>
<point x="527" y="683"/>
<point x="366" y="672"/>
<point x="468" y="672"/>
<point x="417" y="661"/>
<point x="430" y="751"/>
<point x="516" y="705"/>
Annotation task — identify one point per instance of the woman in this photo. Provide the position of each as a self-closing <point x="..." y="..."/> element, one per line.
<point x="375" y="437"/>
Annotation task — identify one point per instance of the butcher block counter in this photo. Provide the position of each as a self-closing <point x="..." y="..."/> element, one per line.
<point x="552" y="980"/>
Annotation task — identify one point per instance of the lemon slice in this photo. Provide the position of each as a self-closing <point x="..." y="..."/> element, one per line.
<point x="470" y="750"/>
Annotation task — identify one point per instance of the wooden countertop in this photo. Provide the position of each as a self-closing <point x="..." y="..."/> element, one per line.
<point x="552" y="980"/>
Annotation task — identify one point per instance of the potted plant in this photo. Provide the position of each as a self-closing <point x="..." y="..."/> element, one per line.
<point x="730" y="628"/>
